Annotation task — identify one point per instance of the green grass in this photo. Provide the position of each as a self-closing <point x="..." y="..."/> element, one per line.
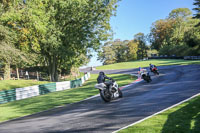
<point x="33" y="105"/>
<point x="137" y="64"/>
<point x="12" y="84"/>
<point x="184" y="118"/>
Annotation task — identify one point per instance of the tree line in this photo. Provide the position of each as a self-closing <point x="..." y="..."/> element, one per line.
<point x="178" y="35"/>
<point x="54" y="34"/>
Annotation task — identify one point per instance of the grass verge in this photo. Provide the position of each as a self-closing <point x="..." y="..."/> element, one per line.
<point x="184" y="118"/>
<point x="158" y="62"/>
<point x="12" y="84"/>
<point x="33" y="105"/>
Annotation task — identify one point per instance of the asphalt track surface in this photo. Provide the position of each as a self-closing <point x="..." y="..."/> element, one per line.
<point x="174" y="84"/>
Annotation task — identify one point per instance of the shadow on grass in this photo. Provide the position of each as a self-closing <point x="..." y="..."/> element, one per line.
<point x="184" y="120"/>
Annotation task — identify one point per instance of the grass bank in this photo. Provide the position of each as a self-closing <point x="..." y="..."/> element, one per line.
<point x="137" y="64"/>
<point x="33" y="105"/>
<point x="12" y="84"/>
<point x="184" y="118"/>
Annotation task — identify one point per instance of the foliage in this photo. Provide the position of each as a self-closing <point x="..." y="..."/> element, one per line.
<point x="142" y="48"/>
<point x="152" y="52"/>
<point x="197" y="9"/>
<point x="61" y="32"/>
<point x="132" y="50"/>
<point x="121" y="51"/>
<point x="118" y="51"/>
<point x="9" y="54"/>
<point x="160" y="33"/>
<point x="174" y="35"/>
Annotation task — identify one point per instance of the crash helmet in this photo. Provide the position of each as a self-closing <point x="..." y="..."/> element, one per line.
<point x="101" y="73"/>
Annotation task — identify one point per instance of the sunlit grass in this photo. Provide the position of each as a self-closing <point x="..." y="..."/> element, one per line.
<point x="12" y="84"/>
<point x="158" y="62"/>
<point x="51" y="100"/>
<point x="184" y="118"/>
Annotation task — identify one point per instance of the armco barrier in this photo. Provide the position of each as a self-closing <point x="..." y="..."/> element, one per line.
<point x="31" y="91"/>
<point x="191" y="57"/>
<point x="86" y="76"/>
<point x="26" y="92"/>
<point x="47" y="88"/>
<point x="82" y="80"/>
<point x="76" y="83"/>
<point x="62" y="85"/>
<point x="7" y="96"/>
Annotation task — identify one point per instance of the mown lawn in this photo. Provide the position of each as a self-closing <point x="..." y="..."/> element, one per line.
<point x="33" y="105"/>
<point x="184" y="118"/>
<point x="12" y="84"/>
<point x="137" y="64"/>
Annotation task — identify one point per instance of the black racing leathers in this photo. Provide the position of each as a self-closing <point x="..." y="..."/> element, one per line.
<point x="101" y="79"/>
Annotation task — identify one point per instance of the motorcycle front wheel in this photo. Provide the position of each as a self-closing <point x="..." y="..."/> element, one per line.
<point x="105" y="95"/>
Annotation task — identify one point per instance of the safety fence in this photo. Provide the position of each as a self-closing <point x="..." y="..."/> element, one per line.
<point x="36" y="90"/>
<point x="191" y="57"/>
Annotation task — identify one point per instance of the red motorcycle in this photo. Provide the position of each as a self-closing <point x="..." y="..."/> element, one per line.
<point x="155" y="70"/>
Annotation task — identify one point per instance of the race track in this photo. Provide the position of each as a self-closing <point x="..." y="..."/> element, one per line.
<point x="174" y="84"/>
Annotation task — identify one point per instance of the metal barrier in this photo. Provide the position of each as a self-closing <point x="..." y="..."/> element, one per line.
<point x="191" y="57"/>
<point x="31" y="91"/>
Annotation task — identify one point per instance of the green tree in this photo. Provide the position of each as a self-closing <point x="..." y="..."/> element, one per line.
<point x="173" y="33"/>
<point x="142" y="47"/>
<point x="10" y="55"/>
<point x="197" y="9"/>
<point x="61" y="31"/>
<point x="161" y="32"/>
<point x="108" y="54"/>
<point x="132" y="50"/>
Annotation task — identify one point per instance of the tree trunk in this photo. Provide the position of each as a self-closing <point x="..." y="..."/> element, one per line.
<point x="37" y="76"/>
<point x="7" y="71"/>
<point x="17" y="70"/>
<point x="53" y="72"/>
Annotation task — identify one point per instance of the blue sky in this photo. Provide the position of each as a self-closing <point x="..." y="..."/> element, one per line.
<point x="134" y="16"/>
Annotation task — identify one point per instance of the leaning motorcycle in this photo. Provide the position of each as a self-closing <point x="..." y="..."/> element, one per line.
<point x="155" y="70"/>
<point x="106" y="94"/>
<point x="145" y="75"/>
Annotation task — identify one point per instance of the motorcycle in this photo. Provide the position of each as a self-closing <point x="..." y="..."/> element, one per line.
<point x="145" y="75"/>
<point x="154" y="70"/>
<point x="109" y="94"/>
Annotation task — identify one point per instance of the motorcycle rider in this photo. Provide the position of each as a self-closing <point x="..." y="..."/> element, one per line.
<point x="143" y="71"/>
<point x="101" y="79"/>
<point x="151" y="66"/>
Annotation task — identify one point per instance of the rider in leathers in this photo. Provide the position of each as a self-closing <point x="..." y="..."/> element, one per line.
<point x="101" y="79"/>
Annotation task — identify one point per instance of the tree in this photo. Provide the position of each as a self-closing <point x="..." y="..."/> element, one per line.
<point x="61" y="31"/>
<point x="142" y="48"/>
<point x="161" y="32"/>
<point x="173" y="33"/>
<point x="108" y="53"/>
<point x="8" y="53"/>
<point x="132" y="50"/>
<point x="197" y="9"/>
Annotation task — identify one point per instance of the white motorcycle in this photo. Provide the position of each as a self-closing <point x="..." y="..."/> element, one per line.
<point x="109" y="94"/>
<point x="145" y="75"/>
